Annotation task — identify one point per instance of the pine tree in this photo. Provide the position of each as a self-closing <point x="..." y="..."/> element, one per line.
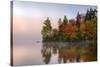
<point x="91" y="13"/>
<point x="78" y="20"/>
<point x="46" y="30"/>
<point x="95" y="13"/>
<point x="48" y="23"/>
<point x="65" y="20"/>
<point x="87" y="15"/>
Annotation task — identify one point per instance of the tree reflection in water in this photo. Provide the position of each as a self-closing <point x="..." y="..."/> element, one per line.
<point x="69" y="52"/>
<point x="46" y="52"/>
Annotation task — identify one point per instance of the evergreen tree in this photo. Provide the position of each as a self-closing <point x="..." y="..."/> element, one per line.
<point x="87" y="15"/>
<point x="95" y="13"/>
<point x="65" y="20"/>
<point x="91" y="13"/>
<point x="48" y="24"/>
<point x="46" y="30"/>
<point x="78" y="20"/>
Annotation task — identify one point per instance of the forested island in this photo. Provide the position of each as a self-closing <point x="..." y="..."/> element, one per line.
<point x="82" y="28"/>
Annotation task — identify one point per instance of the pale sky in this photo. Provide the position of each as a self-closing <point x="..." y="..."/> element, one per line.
<point x="48" y="9"/>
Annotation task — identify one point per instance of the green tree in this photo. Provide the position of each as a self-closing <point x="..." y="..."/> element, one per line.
<point x="91" y="29"/>
<point x="59" y="24"/>
<point x="87" y="15"/>
<point x="48" y="24"/>
<point x="74" y="36"/>
<point x="65" y="20"/>
<point x="95" y="13"/>
<point x="91" y="13"/>
<point x="78" y="20"/>
<point x="55" y="34"/>
<point x="46" y="30"/>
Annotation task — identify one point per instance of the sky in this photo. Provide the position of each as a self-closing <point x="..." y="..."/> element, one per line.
<point x="28" y="17"/>
<point x="48" y="9"/>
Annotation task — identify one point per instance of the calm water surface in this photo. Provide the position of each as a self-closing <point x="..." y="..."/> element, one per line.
<point x="39" y="53"/>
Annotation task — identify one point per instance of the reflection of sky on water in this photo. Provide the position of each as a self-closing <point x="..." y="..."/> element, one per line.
<point x="27" y="54"/>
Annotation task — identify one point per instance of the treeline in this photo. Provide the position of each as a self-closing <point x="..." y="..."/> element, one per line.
<point x="84" y="27"/>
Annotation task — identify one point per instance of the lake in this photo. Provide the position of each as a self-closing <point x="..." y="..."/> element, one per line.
<point x="39" y="53"/>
